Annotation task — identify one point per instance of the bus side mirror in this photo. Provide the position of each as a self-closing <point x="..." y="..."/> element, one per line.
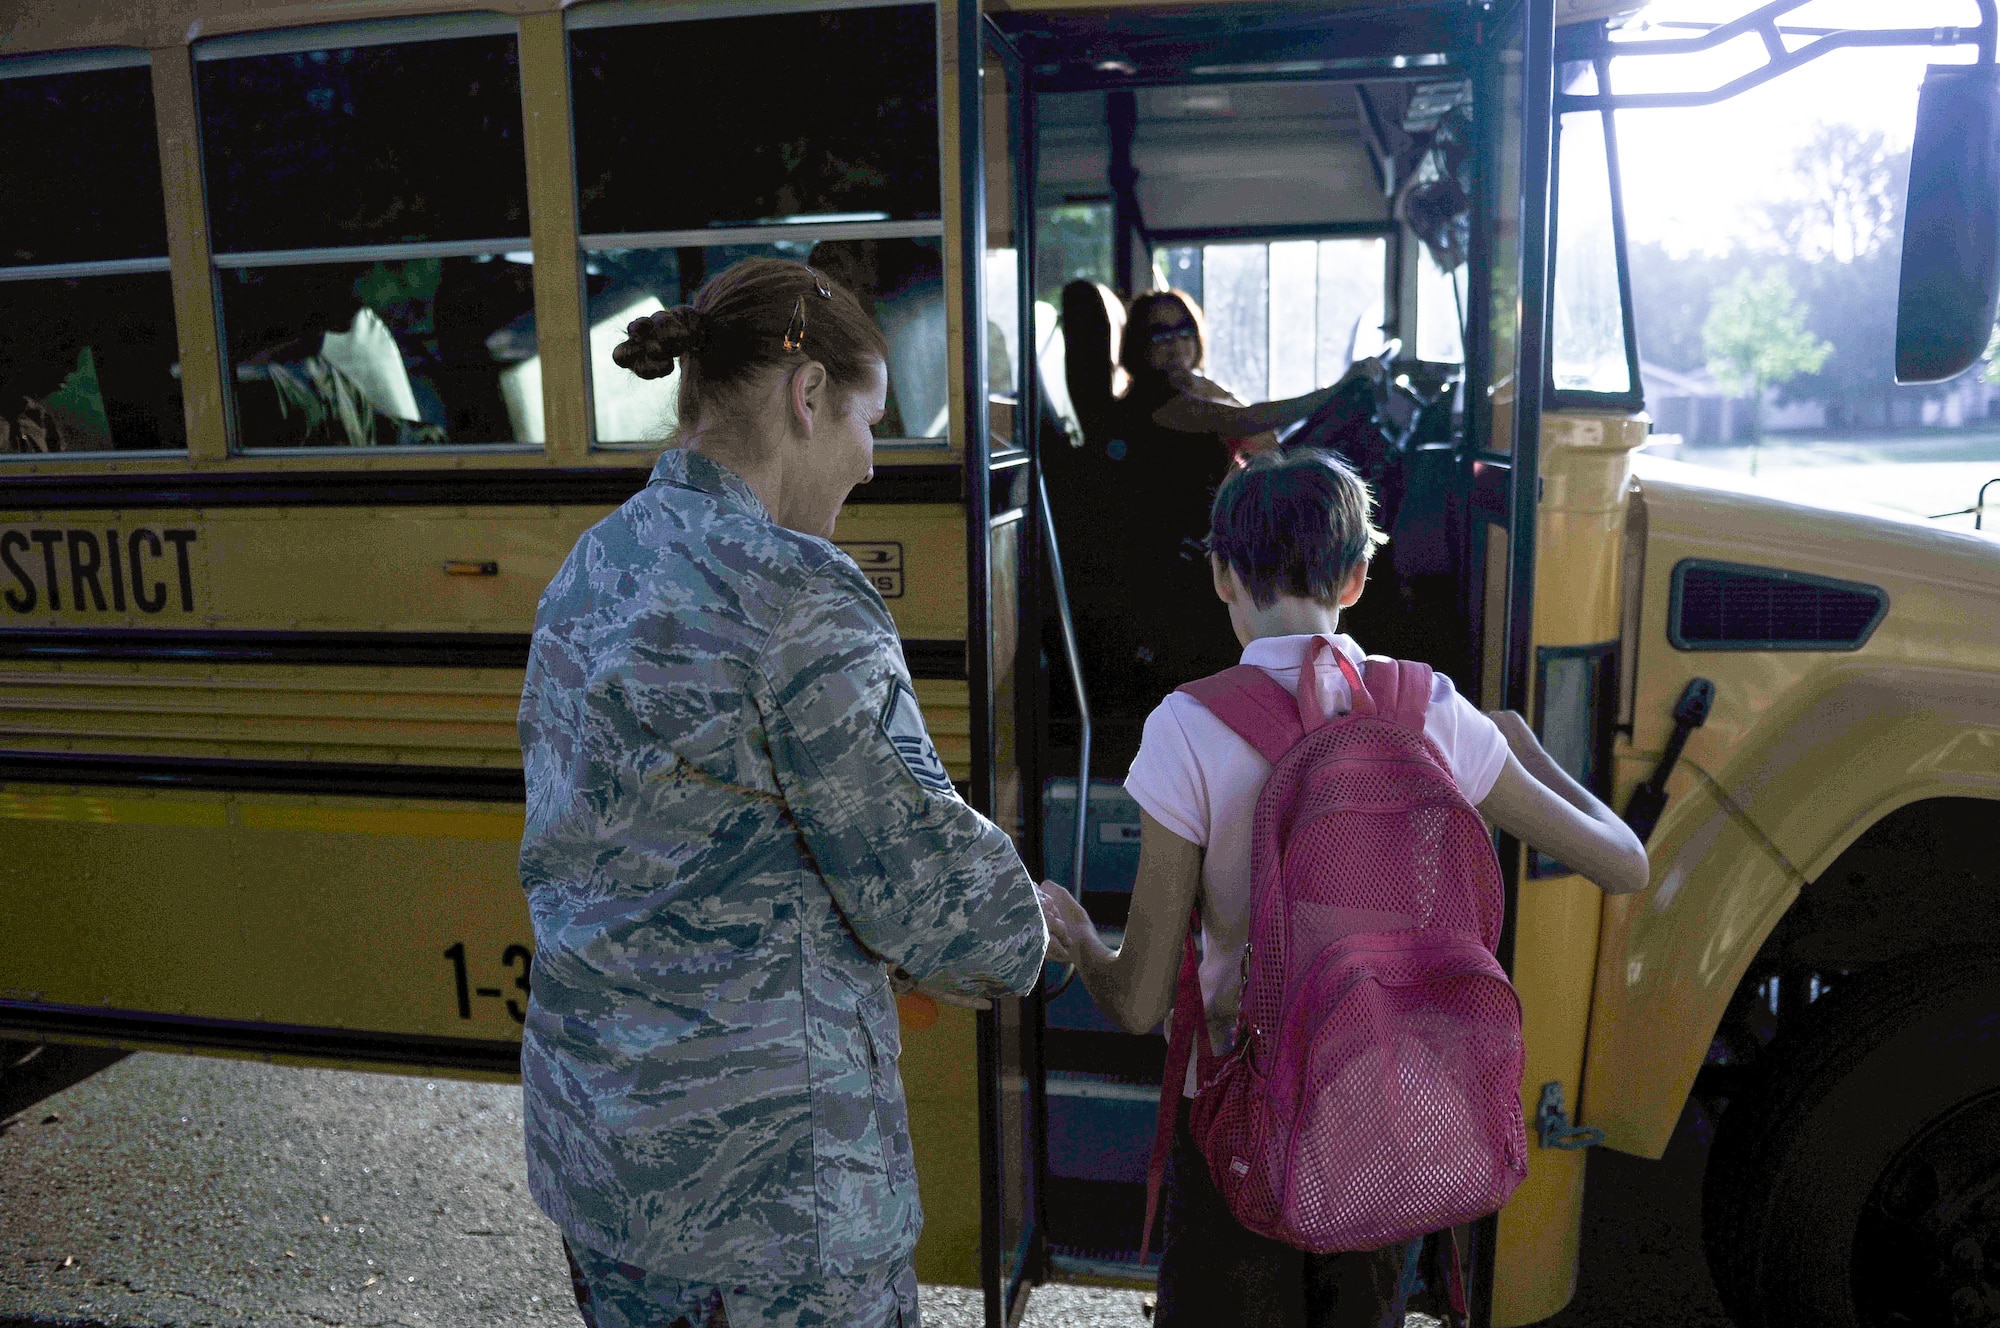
<point x="1951" y="226"/>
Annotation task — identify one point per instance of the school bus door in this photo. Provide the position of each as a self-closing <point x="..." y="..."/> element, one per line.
<point x="1506" y="59"/>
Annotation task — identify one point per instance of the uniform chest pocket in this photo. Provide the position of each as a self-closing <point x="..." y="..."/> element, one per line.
<point x="883" y="1037"/>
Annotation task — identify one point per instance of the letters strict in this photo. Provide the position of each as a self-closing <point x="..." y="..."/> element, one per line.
<point x="96" y="571"/>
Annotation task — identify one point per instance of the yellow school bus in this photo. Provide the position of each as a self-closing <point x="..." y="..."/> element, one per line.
<point x="305" y="392"/>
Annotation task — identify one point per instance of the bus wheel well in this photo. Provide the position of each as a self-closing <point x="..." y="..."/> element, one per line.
<point x="1923" y="876"/>
<point x="1921" y="879"/>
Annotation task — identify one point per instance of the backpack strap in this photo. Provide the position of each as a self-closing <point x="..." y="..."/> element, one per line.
<point x="1256" y="709"/>
<point x="1188" y="1016"/>
<point x="1401" y="688"/>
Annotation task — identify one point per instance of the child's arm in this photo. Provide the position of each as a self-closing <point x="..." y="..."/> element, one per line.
<point x="1135" y="983"/>
<point x="1537" y="802"/>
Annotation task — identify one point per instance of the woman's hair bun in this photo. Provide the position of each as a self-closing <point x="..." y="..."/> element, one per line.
<point x="654" y="342"/>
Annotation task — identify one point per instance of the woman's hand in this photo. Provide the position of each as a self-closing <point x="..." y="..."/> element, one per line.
<point x="902" y="984"/>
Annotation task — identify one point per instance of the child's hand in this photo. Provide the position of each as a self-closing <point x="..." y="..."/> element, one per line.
<point x="1067" y="922"/>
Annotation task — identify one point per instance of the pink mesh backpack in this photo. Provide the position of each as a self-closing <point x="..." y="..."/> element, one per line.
<point x="1373" y="1091"/>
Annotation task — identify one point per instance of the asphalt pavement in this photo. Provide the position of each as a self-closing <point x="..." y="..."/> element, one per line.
<point x="199" y="1193"/>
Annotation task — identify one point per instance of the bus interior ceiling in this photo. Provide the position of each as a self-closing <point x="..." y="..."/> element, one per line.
<point x="1277" y="194"/>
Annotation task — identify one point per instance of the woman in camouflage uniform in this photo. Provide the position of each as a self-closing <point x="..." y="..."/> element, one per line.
<point x="737" y="826"/>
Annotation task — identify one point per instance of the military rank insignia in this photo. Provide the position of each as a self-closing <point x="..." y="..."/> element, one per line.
<point x="903" y="725"/>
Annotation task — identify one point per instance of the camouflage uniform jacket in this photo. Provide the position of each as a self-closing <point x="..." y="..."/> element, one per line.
<point x="735" y="817"/>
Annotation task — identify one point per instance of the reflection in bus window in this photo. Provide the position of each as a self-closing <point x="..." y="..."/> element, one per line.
<point x="830" y="115"/>
<point x="902" y="278"/>
<point x="88" y="355"/>
<point x="80" y="167"/>
<point x="380" y="353"/>
<point x="1587" y="327"/>
<point x="1003" y="294"/>
<point x="363" y="144"/>
<point x="368" y="209"/>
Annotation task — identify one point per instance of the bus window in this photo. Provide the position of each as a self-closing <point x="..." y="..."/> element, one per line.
<point x="88" y="356"/>
<point x="1286" y="316"/>
<point x="1003" y="286"/>
<point x="1072" y="243"/>
<point x="653" y="154"/>
<point x="368" y="209"/>
<point x="1350" y="312"/>
<point x="1440" y="312"/>
<point x="669" y="195"/>
<point x="1236" y="297"/>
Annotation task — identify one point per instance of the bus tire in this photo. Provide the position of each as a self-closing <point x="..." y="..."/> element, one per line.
<point x="1855" y="1183"/>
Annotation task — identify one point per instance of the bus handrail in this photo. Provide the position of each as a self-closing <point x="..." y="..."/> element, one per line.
<point x="1074" y="658"/>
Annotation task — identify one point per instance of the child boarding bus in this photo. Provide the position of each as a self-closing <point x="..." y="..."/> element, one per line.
<point x="306" y="391"/>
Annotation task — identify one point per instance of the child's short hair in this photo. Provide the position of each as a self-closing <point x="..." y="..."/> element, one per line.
<point x="1293" y="523"/>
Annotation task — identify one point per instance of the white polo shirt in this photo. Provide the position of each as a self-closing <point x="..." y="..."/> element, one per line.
<point x="1198" y="779"/>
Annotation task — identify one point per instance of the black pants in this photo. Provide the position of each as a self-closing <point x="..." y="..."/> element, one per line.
<point x="1213" y="1270"/>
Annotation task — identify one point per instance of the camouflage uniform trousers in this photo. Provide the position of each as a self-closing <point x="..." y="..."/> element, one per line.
<point x="610" y="1294"/>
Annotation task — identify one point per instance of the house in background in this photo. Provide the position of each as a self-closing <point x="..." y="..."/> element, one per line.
<point x="1695" y="407"/>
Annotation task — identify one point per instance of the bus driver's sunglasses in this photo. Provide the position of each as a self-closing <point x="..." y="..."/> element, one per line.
<point x="795" y="334"/>
<point x="1160" y="336"/>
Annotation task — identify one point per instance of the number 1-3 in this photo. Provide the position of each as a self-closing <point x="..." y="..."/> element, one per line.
<point x="512" y="956"/>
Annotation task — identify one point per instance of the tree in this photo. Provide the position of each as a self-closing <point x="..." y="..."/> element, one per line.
<point x="1832" y="224"/>
<point x="1671" y="295"/>
<point x="1844" y="197"/>
<point x="1837" y="222"/>
<point x="1756" y="338"/>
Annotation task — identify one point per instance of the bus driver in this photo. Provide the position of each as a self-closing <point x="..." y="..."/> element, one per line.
<point x="736" y="825"/>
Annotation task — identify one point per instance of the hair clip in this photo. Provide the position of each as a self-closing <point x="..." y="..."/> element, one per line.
<point x="795" y="332"/>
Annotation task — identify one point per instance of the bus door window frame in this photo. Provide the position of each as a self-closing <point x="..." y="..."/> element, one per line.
<point x="991" y="484"/>
<point x="1536" y="204"/>
<point x="1596" y="63"/>
<point x="330" y="36"/>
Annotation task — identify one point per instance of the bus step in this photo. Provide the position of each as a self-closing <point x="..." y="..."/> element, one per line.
<point x="1100" y="1128"/>
<point x="1097" y="1221"/>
